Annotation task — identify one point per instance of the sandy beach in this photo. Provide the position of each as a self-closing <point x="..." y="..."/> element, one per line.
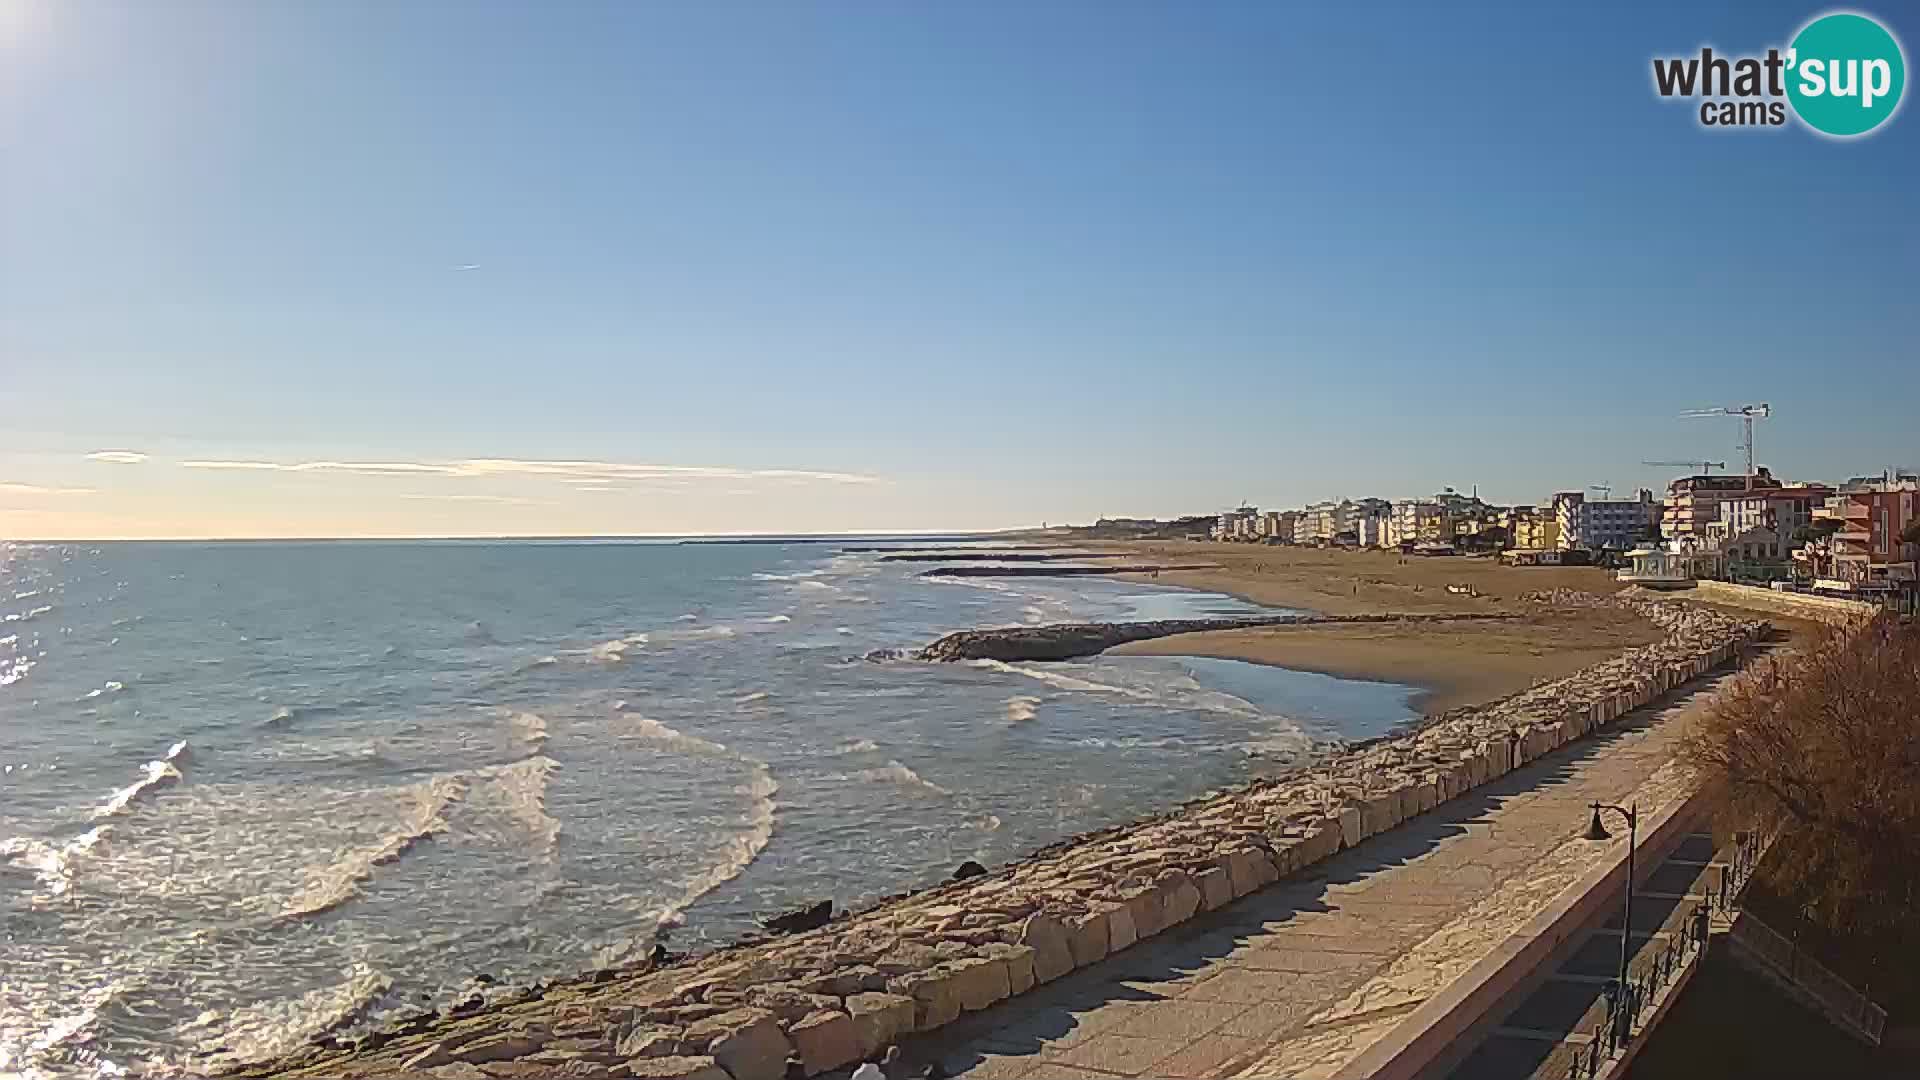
<point x="1455" y="663"/>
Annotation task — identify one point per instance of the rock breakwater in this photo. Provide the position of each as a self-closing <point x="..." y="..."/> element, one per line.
<point x="1051" y="570"/>
<point x="825" y="998"/>
<point x="1065" y="641"/>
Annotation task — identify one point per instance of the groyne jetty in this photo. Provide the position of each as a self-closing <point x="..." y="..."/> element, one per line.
<point x="810" y="1003"/>
<point x="1051" y="570"/>
<point x="1065" y="641"/>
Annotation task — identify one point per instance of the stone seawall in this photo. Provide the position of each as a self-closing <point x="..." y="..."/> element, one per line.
<point x="1827" y="609"/>
<point x="822" y="1000"/>
<point x="1065" y="641"/>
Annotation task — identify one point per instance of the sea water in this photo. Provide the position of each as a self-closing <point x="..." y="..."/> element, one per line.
<point x="251" y="792"/>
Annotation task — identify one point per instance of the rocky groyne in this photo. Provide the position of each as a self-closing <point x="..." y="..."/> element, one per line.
<point x="817" y="1001"/>
<point x="1049" y="570"/>
<point x="1001" y="556"/>
<point x="1064" y="641"/>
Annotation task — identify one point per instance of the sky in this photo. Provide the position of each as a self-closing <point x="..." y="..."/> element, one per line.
<point x="365" y="268"/>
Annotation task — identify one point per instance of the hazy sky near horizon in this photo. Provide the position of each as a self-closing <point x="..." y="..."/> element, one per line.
<point x="439" y="268"/>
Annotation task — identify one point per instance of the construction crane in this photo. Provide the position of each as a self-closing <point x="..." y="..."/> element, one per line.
<point x="1703" y="466"/>
<point x="1746" y="413"/>
<point x="1605" y="490"/>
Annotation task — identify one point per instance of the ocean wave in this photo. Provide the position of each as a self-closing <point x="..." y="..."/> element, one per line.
<point x="859" y="746"/>
<point x="739" y="850"/>
<point x="777" y="619"/>
<point x="1064" y="682"/>
<point x="28" y="595"/>
<point x="335" y="884"/>
<point x="15" y="670"/>
<point x="29" y="615"/>
<point x="159" y="774"/>
<point x="990" y="823"/>
<point x="1021" y="709"/>
<point x="895" y="773"/>
<point x="615" y="650"/>
<point x="648" y="728"/>
<point x="749" y="699"/>
<point x="52" y="864"/>
<point x="270" y="1028"/>
<point x="10" y="639"/>
<point x="522" y="788"/>
<point x="529" y="728"/>
<point x="798" y="575"/>
<point x="111" y="686"/>
<point x="281" y="717"/>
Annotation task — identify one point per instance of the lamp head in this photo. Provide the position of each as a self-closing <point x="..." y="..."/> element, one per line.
<point x="1596" y="830"/>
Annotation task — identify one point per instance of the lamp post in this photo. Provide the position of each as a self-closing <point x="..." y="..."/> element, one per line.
<point x="1597" y="830"/>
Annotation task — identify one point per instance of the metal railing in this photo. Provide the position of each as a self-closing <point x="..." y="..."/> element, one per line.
<point x="1625" y="1004"/>
<point x="1837" y="996"/>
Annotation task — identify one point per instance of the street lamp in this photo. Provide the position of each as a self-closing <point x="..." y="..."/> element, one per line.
<point x="1597" y="830"/>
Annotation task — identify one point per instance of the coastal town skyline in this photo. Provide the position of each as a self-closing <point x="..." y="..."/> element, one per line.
<point x="291" y="270"/>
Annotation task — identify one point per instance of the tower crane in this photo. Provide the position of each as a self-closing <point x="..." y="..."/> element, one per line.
<point x="1706" y="467"/>
<point x="1746" y="413"/>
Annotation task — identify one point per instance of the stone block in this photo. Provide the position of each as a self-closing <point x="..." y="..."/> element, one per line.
<point x="1409" y="796"/>
<point x="979" y="981"/>
<point x="1379" y="813"/>
<point x="1321" y="842"/>
<point x="676" y="1068"/>
<point x="1019" y="962"/>
<point x="825" y="1040"/>
<point x="1216" y="887"/>
<point x="1052" y="946"/>
<point x="907" y="957"/>
<point x="936" y="997"/>
<point x="503" y="1046"/>
<point x="879" y="1019"/>
<point x="1147" y="907"/>
<point x="1182" y="898"/>
<point x="1088" y="937"/>
<point x="651" y="1040"/>
<point x="1249" y="869"/>
<point x="746" y="1042"/>
<point x="1350" y="833"/>
<point x="1120" y="929"/>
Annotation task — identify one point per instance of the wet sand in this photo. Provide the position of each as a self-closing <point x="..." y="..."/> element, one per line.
<point x="1455" y="663"/>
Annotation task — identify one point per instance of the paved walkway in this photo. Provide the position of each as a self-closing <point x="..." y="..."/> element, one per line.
<point x="1296" y="980"/>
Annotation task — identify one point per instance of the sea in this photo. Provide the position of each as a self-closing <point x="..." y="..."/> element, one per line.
<point x="255" y="792"/>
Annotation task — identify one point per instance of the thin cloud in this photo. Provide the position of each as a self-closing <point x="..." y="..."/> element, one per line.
<point x="502" y="500"/>
<point x="568" y="470"/>
<point x="464" y="267"/>
<point x="118" y="457"/>
<point x="8" y="487"/>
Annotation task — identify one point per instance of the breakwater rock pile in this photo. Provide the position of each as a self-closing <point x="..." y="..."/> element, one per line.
<point x="1051" y="570"/>
<point x="1064" y="641"/>
<point x="820" y="1000"/>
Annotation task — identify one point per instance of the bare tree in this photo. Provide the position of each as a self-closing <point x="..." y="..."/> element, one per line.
<point x="1824" y="746"/>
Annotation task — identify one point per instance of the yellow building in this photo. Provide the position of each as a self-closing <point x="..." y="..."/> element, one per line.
<point x="1536" y="532"/>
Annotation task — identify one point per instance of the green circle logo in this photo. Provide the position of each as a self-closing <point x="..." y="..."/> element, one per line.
<point x="1845" y="74"/>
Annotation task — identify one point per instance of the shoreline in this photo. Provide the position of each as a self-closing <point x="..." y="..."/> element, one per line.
<point x="1451" y="664"/>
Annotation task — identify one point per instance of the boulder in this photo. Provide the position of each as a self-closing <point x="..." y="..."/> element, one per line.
<point x="1350" y="831"/>
<point x="936" y="998"/>
<point x="1050" y="942"/>
<point x="810" y="917"/>
<point x="498" y="1047"/>
<point x="1216" y="888"/>
<point x="676" y="1068"/>
<point x="650" y="1040"/>
<point x="969" y="869"/>
<point x="879" y="1019"/>
<point x="746" y="1042"/>
<point x="1120" y="929"/>
<point x="979" y="981"/>
<point x="1019" y="962"/>
<point x="1088" y="937"/>
<point x="825" y="1040"/>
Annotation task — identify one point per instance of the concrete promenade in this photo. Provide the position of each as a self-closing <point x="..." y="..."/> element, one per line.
<point x="1300" y="978"/>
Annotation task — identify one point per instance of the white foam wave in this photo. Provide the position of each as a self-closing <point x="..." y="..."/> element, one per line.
<point x="529" y="728"/>
<point x="158" y="775"/>
<point x="649" y="728"/>
<point x="895" y="773"/>
<point x="799" y="575"/>
<point x="777" y="619"/>
<point x="522" y="788"/>
<point x="990" y="823"/>
<point x="281" y="717"/>
<point x="28" y="595"/>
<point x="859" y="746"/>
<point x="330" y="886"/>
<point x="269" y="1028"/>
<point x="1064" y="682"/>
<point x="738" y="850"/>
<point x="756" y="696"/>
<point x="28" y="615"/>
<point x="52" y="865"/>
<point x="1021" y="709"/>
<point x="9" y="639"/>
<point x="615" y="651"/>
<point x="111" y="686"/>
<point x="15" y="670"/>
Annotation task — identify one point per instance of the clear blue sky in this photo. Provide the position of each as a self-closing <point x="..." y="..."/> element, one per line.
<point x="975" y="264"/>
